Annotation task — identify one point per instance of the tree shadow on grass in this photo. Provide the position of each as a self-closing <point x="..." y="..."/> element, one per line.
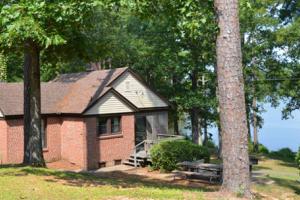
<point x="259" y="167"/>
<point x="288" y="164"/>
<point x="284" y="160"/>
<point x="12" y="170"/>
<point x="11" y="166"/>
<point x="114" y="179"/>
<point x="293" y="185"/>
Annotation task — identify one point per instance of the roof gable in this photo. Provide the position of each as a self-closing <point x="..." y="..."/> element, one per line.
<point x="108" y="101"/>
<point x="86" y="89"/>
<point x="137" y="92"/>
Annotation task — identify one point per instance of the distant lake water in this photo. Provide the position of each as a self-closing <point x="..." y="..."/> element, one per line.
<point x="277" y="133"/>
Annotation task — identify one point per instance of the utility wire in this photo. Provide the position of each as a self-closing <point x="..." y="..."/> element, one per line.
<point x="277" y="79"/>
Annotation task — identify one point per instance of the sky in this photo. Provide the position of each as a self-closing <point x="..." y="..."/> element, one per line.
<point x="277" y="133"/>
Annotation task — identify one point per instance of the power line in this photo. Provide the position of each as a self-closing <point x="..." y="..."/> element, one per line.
<point x="278" y="79"/>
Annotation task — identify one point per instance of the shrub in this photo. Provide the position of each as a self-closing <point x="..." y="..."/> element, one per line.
<point x="250" y="147"/>
<point x="212" y="148"/>
<point x="298" y="158"/>
<point x="263" y="149"/>
<point x="165" y="155"/>
<point x="283" y="154"/>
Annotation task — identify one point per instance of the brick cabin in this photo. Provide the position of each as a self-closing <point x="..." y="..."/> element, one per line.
<point x="91" y="119"/>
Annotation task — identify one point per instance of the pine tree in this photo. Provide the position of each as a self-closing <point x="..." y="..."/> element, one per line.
<point x="236" y="175"/>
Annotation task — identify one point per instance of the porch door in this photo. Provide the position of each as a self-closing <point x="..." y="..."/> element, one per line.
<point x="140" y="129"/>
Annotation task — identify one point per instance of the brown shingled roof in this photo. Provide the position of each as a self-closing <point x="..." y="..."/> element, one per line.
<point x="68" y="93"/>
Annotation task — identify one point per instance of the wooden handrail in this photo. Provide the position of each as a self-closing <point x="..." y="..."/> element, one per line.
<point x="136" y="147"/>
<point x="152" y="142"/>
<point x="165" y="136"/>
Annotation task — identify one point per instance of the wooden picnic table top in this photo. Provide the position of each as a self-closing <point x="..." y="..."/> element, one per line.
<point x="201" y="166"/>
<point x="208" y="167"/>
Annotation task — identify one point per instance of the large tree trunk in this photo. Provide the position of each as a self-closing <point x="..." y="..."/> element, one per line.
<point x="195" y="111"/>
<point x="254" y="121"/>
<point x="236" y="174"/>
<point x="175" y="114"/>
<point x="205" y="132"/>
<point x="248" y="114"/>
<point x="195" y="125"/>
<point x="200" y="139"/>
<point x="220" y="141"/>
<point x="175" y="122"/>
<point x="33" y="153"/>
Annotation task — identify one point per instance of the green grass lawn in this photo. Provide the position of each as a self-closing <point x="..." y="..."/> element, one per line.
<point x="278" y="180"/>
<point x="29" y="183"/>
<point x="282" y="177"/>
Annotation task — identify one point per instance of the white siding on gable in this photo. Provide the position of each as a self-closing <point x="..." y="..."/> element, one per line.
<point x="1" y="115"/>
<point x="109" y="104"/>
<point x="138" y="94"/>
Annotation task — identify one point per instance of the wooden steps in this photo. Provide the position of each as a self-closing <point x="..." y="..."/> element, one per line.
<point x="142" y="159"/>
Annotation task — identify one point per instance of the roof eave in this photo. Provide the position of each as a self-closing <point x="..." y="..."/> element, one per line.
<point x="2" y="115"/>
<point x="137" y="76"/>
<point x="118" y="95"/>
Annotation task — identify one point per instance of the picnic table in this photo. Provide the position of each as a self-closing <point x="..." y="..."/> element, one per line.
<point x="198" y="169"/>
<point x="195" y="167"/>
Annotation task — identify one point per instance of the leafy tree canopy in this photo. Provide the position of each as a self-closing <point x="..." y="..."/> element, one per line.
<point x="45" y="22"/>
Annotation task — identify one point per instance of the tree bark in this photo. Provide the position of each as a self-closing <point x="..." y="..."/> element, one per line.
<point x="248" y="114"/>
<point x="220" y="141"/>
<point x="255" y="130"/>
<point x="236" y="174"/>
<point x="195" y="125"/>
<point x="33" y="152"/>
<point x="175" y="121"/>
<point x="175" y="116"/>
<point x="205" y="132"/>
<point x="194" y="111"/>
<point x="200" y="139"/>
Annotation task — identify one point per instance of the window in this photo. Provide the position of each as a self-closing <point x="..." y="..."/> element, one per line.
<point x="102" y="126"/>
<point x="115" y="124"/>
<point x="44" y="132"/>
<point x="109" y="125"/>
<point x="118" y="162"/>
<point x="102" y="164"/>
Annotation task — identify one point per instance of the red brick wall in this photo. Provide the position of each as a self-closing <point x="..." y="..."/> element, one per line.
<point x="53" y="150"/>
<point x="15" y="141"/>
<point x="81" y="145"/>
<point x="115" y="148"/>
<point x="91" y="145"/>
<point x="72" y="140"/>
<point x="66" y="138"/>
<point x="3" y="142"/>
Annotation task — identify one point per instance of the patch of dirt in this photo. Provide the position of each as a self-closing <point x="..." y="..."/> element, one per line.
<point x="63" y="165"/>
<point x="169" y="178"/>
<point x="123" y="198"/>
<point x="220" y="195"/>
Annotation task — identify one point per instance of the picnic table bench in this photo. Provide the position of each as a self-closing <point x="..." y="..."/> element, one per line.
<point x="199" y="170"/>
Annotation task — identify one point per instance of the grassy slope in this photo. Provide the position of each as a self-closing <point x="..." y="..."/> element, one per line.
<point x="28" y="183"/>
<point x="284" y="176"/>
